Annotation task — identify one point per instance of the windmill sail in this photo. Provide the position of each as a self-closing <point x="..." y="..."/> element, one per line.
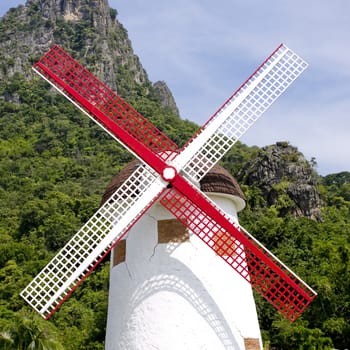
<point x="240" y="250"/>
<point x="102" y="105"/>
<point x="93" y="241"/>
<point x="239" y="112"/>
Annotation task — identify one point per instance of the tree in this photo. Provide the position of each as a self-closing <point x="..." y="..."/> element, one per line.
<point x="27" y="332"/>
<point x="298" y="336"/>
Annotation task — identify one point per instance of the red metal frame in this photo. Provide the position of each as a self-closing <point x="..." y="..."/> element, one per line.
<point x="250" y="260"/>
<point x="102" y="104"/>
<point x="256" y="265"/>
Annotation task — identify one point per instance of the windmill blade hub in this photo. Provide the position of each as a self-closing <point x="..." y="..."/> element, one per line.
<point x="169" y="173"/>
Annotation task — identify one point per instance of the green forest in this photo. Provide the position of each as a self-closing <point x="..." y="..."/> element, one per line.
<point x="55" y="164"/>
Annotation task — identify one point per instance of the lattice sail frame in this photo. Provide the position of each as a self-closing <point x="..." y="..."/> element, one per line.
<point x="102" y="104"/>
<point x="123" y="123"/>
<point x="246" y="255"/>
<point x="239" y="112"/>
<point x="93" y="241"/>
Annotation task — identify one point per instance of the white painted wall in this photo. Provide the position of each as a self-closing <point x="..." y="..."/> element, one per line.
<point x="177" y="296"/>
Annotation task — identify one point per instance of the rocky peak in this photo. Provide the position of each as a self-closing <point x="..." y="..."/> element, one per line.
<point x="281" y="169"/>
<point x="166" y="97"/>
<point x="96" y="11"/>
<point x="87" y="28"/>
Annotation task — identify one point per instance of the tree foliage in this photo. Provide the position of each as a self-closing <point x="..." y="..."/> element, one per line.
<point x="317" y="251"/>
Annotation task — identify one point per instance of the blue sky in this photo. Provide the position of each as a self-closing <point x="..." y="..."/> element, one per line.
<point x="204" y="50"/>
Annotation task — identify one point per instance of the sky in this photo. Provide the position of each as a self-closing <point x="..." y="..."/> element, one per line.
<point x="204" y="50"/>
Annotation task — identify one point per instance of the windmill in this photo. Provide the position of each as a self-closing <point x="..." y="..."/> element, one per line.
<point x="169" y="176"/>
<point x="167" y="290"/>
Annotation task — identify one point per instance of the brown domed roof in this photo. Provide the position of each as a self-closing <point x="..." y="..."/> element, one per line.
<point x="217" y="180"/>
<point x="118" y="179"/>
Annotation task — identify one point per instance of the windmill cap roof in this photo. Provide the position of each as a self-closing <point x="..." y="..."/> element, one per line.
<point x="217" y="180"/>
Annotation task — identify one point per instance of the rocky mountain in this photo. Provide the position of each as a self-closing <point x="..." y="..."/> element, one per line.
<point x="87" y="28"/>
<point x="166" y="98"/>
<point x="281" y="170"/>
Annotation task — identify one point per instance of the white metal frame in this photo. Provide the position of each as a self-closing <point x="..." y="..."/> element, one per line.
<point x="239" y="113"/>
<point x="104" y="228"/>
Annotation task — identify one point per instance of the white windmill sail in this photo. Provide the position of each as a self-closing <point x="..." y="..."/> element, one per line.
<point x="104" y="229"/>
<point x="239" y="113"/>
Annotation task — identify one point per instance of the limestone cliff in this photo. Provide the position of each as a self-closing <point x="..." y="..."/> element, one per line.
<point x="166" y="97"/>
<point x="281" y="169"/>
<point x="86" y="28"/>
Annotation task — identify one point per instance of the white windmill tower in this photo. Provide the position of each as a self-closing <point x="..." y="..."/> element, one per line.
<point x="169" y="291"/>
<point x="169" y="177"/>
